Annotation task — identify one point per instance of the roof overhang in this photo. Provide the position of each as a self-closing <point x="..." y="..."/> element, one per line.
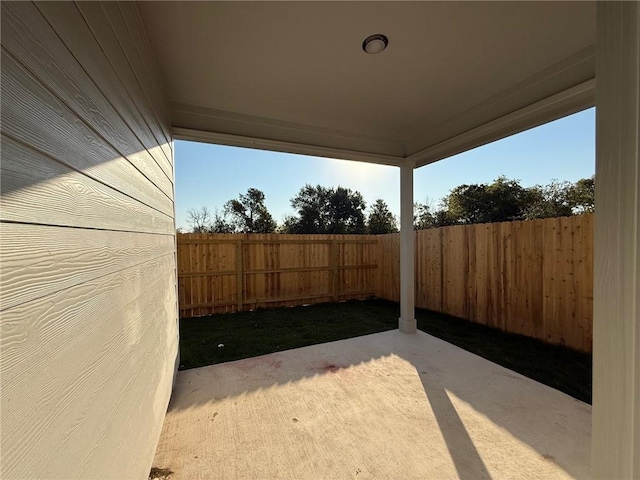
<point x="292" y="76"/>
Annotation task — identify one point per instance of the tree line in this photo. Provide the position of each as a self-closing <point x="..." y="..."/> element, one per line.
<point x="340" y="210"/>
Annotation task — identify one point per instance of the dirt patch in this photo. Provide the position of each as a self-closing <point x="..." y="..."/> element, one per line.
<point x="275" y="363"/>
<point x="253" y="363"/>
<point x="331" y="368"/>
<point x="160" y="473"/>
<point x="326" y="367"/>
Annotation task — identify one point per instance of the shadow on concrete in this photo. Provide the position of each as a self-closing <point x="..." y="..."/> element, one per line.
<point x="555" y="425"/>
<point x="464" y="453"/>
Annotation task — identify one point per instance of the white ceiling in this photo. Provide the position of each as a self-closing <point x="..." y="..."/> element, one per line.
<point x="295" y="72"/>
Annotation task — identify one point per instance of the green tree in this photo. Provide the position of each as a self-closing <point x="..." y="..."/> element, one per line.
<point x="506" y="200"/>
<point x="312" y="212"/>
<point x="381" y="220"/>
<point x="425" y="216"/>
<point x="249" y="214"/>
<point x="288" y="225"/>
<point x="326" y="210"/>
<point x="547" y="201"/>
<point x="503" y="200"/>
<point x="346" y="211"/>
<point x="422" y="216"/>
<point x="562" y="199"/>
<point x="220" y="223"/>
<point x="581" y="196"/>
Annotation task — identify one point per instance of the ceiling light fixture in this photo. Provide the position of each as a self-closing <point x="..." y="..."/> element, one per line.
<point x="375" y="43"/>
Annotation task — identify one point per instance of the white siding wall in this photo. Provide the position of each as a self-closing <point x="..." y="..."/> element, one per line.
<point x="87" y="252"/>
<point x="616" y="300"/>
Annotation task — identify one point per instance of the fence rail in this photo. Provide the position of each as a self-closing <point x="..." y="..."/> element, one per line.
<point x="534" y="278"/>
<point x="228" y="273"/>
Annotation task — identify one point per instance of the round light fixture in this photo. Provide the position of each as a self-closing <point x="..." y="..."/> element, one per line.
<point x="375" y="43"/>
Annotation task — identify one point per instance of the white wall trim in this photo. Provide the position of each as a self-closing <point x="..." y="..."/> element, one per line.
<point x="233" y="123"/>
<point x="407" y="321"/>
<point x="616" y="300"/>
<point x="569" y="101"/>
<point x="568" y="72"/>
<point x="280" y="146"/>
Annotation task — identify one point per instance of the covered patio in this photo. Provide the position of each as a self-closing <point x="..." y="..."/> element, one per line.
<point x="386" y="405"/>
<point x="93" y="96"/>
<point x="297" y="77"/>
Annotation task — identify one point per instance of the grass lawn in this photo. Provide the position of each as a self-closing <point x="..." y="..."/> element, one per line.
<point x="248" y="334"/>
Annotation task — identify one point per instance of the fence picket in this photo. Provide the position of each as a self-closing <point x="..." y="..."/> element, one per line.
<point x="534" y="278"/>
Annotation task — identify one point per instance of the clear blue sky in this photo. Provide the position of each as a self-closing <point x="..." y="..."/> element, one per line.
<point x="209" y="175"/>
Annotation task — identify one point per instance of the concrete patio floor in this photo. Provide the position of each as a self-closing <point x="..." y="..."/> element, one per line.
<point x="387" y="405"/>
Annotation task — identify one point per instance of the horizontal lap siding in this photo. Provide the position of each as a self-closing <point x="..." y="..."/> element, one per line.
<point x="88" y="272"/>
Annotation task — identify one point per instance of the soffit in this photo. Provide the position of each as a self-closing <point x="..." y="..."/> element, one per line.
<point x="295" y="71"/>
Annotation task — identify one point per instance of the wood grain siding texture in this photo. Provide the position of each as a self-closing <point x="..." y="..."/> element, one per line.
<point x="616" y="325"/>
<point x="88" y="330"/>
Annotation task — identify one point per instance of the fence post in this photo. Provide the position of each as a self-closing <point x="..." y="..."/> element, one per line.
<point x="239" y="275"/>
<point x="333" y="262"/>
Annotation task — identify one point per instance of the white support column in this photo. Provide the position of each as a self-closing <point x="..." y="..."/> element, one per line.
<point x="407" y="322"/>
<point x="616" y="323"/>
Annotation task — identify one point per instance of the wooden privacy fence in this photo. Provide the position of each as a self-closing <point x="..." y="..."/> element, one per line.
<point x="228" y="273"/>
<point x="534" y="278"/>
